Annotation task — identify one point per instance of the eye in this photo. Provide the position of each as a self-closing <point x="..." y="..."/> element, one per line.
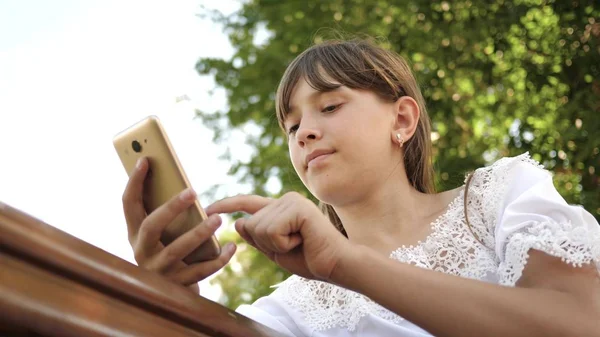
<point x="331" y="108"/>
<point x="293" y="129"/>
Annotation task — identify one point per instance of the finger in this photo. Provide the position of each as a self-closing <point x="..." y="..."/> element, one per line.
<point x="241" y="203"/>
<point x="199" y="271"/>
<point x="284" y="236"/>
<point x="143" y="258"/>
<point x="280" y="242"/>
<point x="241" y="229"/>
<point x="133" y="203"/>
<point x="185" y="244"/>
<point x="266" y="225"/>
<point x="153" y="226"/>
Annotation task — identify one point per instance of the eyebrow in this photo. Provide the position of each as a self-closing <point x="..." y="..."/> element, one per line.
<point x="314" y="95"/>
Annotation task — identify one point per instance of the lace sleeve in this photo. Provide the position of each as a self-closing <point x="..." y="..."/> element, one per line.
<point x="485" y="196"/>
<point x="533" y="215"/>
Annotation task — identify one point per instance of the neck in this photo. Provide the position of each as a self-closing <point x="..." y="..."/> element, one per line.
<point x="392" y="214"/>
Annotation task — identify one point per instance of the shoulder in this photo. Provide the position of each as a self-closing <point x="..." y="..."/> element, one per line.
<point x="487" y="188"/>
<point x="520" y="209"/>
<point x="496" y="183"/>
<point x="506" y="169"/>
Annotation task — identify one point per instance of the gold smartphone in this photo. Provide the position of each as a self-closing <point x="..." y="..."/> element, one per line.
<point x="165" y="179"/>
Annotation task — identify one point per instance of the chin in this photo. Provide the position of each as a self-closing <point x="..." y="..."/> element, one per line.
<point x="330" y="190"/>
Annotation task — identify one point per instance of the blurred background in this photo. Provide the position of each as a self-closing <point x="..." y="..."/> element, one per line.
<point x="500" y="78"/>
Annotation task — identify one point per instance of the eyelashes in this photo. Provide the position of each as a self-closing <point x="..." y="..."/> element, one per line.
<point x="293" y="129"/>
<point x="327" y="110"/>
<point x="331" y="108"/>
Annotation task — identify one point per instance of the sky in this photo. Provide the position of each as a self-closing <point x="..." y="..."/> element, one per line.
<point x="75" y="73"/>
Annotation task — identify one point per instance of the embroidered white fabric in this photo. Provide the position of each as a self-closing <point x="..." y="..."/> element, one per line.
<point x="572" y="243"/>
<point x="481" y="252"/>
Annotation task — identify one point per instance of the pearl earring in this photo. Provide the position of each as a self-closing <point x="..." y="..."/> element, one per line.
<point x="400" y="139"/>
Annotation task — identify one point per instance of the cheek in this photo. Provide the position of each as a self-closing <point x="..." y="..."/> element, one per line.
<point x="369" y="145"/>
<point x="297" y="160"/>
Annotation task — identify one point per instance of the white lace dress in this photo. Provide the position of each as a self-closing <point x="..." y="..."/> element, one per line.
<point x="512" y="207"/>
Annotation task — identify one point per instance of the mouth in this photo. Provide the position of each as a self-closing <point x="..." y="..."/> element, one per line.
<point x="317" y="156"/>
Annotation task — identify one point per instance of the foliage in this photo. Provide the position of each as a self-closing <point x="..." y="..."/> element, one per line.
<point x="500" y="78"/>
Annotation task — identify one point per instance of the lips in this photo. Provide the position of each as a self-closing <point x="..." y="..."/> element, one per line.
<point x="316" y="154"/>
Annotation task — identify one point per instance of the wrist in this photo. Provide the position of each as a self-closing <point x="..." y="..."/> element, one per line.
<point x="342" y="273"/>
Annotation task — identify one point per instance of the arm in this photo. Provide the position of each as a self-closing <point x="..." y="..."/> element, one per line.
<point x="534" y="231"/>
<point x="551" y="298"/>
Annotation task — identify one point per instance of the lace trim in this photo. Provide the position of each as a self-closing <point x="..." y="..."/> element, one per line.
<point x="326" y="306"/>
<point x="574" y="244"/>
<point x="450" y="248"/>
<point x="486" y="194"/>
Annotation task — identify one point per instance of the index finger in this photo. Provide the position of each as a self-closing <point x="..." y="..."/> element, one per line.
<point x="240" y="203"/>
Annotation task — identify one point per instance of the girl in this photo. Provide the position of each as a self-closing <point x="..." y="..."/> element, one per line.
<point x="503" y="255"/>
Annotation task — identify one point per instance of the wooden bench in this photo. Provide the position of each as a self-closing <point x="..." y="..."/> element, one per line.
<point x="54" y="284"/>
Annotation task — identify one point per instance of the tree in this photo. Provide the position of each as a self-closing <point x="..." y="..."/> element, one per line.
<point x="500" y="78"/>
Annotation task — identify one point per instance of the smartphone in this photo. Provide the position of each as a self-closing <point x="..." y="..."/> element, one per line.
<point x="165" y="179"/>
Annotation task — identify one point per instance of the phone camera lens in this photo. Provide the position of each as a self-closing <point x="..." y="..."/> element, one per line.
<point x="137" y="147"/>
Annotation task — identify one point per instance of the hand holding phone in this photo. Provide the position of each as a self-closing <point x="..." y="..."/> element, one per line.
<point x="168" y="230"/>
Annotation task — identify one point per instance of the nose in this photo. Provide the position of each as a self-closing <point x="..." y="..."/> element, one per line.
<point x="306" y="134"/>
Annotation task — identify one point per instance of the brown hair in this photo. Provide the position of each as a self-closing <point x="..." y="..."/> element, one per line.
<point x="465" y="209"/>
<point x="361" y="64"/>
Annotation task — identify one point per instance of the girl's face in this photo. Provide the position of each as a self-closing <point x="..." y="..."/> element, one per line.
<point x="340" y="142"/>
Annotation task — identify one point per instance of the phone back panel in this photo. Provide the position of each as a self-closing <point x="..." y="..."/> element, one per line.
<point x="165" y="179"/>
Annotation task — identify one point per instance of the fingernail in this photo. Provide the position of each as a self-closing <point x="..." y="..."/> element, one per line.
<point x="187" y="195"/>
<point x="138" y="165"/>
<point x="229" y="247"/>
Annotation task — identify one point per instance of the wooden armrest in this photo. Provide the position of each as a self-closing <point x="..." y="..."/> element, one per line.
<point x="54" y="284"/>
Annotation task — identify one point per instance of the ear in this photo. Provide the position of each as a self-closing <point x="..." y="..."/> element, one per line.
<point x="406" y="118"/>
